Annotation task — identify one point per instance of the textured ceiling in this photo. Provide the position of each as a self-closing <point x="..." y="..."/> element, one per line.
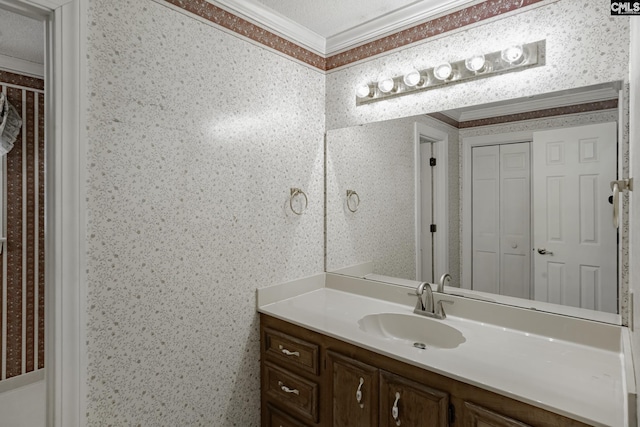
<point x="330" y="17"/>
<point x="21" y="37"/>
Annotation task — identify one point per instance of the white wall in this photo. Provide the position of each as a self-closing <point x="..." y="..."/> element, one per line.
<point x="23" y="406"/>
<point x="195" y="138"/>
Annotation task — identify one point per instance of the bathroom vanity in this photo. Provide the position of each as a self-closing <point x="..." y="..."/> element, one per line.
<point x="338" y="351"/>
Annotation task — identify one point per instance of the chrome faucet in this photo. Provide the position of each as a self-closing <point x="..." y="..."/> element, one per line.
<point x="426" y="303"/>
<point x="445" y="276"/>
<point x="425" y="307"/>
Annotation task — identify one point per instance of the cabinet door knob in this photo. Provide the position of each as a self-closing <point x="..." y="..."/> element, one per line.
<point x="359" y="393"/>
<point x="395" y="412"/>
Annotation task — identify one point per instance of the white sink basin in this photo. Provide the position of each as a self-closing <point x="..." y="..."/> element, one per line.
<point x="423" y="332"/>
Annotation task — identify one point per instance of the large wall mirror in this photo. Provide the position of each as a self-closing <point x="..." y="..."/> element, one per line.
<point x="512" y="199"/>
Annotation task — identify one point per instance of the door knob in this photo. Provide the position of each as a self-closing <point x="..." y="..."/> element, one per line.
<point x="543" y="251"/>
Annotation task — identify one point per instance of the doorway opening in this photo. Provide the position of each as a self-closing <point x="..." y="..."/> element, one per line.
<point x="22" y="221"/>
<point x="432" y="203"/>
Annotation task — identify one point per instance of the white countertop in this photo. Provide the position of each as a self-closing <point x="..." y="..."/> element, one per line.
<point x="570" y="378"/>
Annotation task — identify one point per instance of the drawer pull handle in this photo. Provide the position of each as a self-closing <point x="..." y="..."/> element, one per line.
<point x="287" y="389"/>
<point x="395" y="412"/>
<point x="289" y="353"/>
<point x="359" y="393"/>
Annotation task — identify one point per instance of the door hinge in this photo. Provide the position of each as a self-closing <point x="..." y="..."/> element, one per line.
<point x="432" y="161"/>
<point x="452" y="413"/>
<point x="432" y="228"/>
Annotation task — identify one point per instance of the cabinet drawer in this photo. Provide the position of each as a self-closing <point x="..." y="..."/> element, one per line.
<point x="477" y="416"/>
<point x="291" y="350"/>
<point x="295" y="393"/>
<point x="280" y="419"/>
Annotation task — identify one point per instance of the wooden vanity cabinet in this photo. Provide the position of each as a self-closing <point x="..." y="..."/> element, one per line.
<point x="321" y="377"/>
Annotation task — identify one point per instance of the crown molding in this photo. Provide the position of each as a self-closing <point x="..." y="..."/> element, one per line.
<point x="33" y="8"/>
<point x="369" y="31"/>
<point x="20" y="66"/>
<point x="276" y="23"/>
<point x="596" y="95"/>
<point x="392" y="22"/>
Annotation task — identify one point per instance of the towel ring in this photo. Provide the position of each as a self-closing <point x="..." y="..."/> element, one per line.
<point x="356" y="200"/>
<point x="295" y="192"/>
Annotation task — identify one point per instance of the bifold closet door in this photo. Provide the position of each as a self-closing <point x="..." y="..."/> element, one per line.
<point x="501" y="213"/>
<point x="485" y="222"/>
<point x="515" y="220"/>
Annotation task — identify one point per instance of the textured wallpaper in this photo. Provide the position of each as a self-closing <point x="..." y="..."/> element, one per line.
<point x="377" y="161"/>
<point x="195" y="138"/>
<point x="585" y="45"/>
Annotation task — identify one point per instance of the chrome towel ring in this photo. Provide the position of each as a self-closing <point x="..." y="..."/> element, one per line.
<point x="294" y="193"/>
<point x="352" y="200"/>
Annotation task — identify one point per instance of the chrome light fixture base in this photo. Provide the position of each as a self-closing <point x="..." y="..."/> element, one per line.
<point x="533" y="56"/>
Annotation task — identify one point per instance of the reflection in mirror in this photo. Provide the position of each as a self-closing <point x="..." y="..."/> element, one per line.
<point x="511" y="198"/>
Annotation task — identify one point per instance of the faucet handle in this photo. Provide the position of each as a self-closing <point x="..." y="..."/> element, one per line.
<point x="440" y="309"/>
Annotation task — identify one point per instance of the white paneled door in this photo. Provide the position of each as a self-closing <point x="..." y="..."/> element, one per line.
<point x="501" y="206"/>
<point x="575" y="243"/>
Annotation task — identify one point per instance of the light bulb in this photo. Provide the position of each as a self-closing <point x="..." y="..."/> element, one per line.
<point x="413" y="78"/>
<point x="387" y="85"/>
<point x="513" y="54"/>
<point x="442" y="71"/>
<point x="363" y="91"/>
<point x="475" y="63"/>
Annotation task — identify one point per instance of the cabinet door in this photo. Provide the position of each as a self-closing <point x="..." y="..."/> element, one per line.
<point x="477" y="416"/>
<point x="354" y="387"/>
<point x="407" y="403"/>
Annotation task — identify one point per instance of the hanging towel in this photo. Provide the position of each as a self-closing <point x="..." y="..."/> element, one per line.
<point x="10" y="125"/>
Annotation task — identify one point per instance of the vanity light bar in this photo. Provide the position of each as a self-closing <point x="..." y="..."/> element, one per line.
<point x="513" y="58"/>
